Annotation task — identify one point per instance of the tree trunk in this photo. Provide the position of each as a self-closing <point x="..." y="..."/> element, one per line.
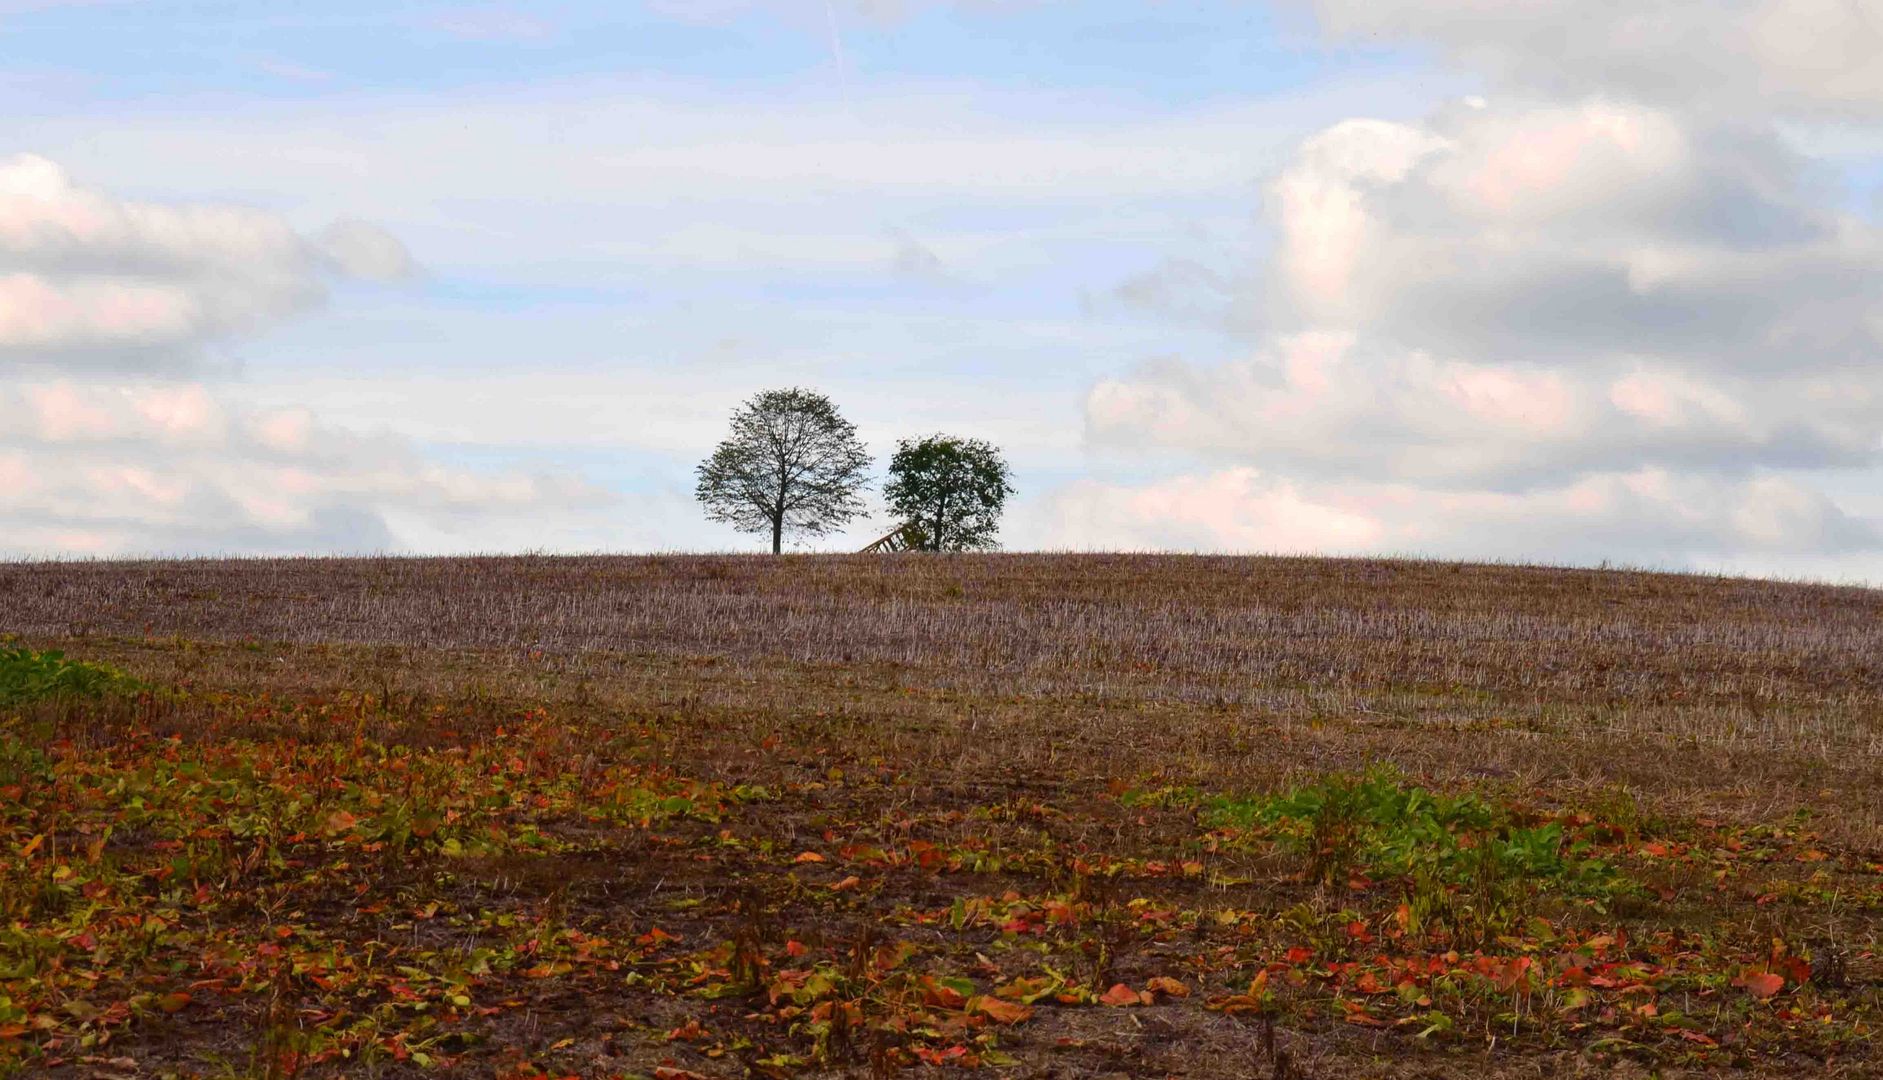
<point x="778" y="534"/>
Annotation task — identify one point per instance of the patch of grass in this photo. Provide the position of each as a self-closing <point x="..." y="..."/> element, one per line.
<point x="1468" y="864"/>
<point x="27" y="676"/>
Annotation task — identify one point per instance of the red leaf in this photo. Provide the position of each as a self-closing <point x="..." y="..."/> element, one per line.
<point x="1760" y="984"/>
<point x="1120" y="995"/>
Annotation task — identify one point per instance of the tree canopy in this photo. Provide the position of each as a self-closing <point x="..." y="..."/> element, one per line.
<point x="791" y="463"/>
<point x="949" y="490"/>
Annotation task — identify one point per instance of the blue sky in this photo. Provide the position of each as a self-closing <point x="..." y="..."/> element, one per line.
<point x="1172" y="54"/>
<point x="1219" y="275"/>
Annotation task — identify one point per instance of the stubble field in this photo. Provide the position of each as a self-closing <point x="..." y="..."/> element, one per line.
<point x="1026" y="815"/>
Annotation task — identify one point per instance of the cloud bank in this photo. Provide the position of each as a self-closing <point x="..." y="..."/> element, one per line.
<point x="110" y="443"/>
<point x="85" y="277"/>
<point x="1614" y="311"/>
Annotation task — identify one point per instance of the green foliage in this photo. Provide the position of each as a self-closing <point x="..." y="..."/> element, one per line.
<point x="791" y="463"/>
<point x="27" y="676"/>
<point x="1471" y="866"/>
<point x="949" y="491"/>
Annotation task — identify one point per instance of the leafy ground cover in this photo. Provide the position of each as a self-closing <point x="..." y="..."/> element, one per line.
<point x="269" y="860"/>
<point x="27" y="675"/>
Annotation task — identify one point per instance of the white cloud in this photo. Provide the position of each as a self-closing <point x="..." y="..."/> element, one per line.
<point x="84" y="274"/>
<point x="364" y="250"/>
<point x="1808" y="56"/>
<point x="1517" y="296"/>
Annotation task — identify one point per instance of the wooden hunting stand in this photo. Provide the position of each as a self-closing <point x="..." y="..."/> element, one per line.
<point x="903" y="537"/>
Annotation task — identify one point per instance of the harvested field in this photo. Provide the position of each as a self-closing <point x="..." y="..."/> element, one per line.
<point x="1034" y="815"/>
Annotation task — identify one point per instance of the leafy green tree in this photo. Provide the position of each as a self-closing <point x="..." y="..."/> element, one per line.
<point x="791" y="463"/>
<point x="950" y="491"/>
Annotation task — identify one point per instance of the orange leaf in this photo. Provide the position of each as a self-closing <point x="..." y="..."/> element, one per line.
<point x="32" y="846"/>
<point x="1760" y="984"/>
<point x="941" y="995"/>
<point x="1120" y="995"/>
<point x="808" y="856"/>
<point x="847" y="884"/>
<point x="174" y="1001"/>
<point x="1166" y="985"/>
<point x="1001" y="1012"/>
<point x="340" y="821"/>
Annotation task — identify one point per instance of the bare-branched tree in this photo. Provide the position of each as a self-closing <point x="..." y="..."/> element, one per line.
<point x="791" y="463"/>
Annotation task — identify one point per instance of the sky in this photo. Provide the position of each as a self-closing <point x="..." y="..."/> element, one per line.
<point x="1561" y="281"/>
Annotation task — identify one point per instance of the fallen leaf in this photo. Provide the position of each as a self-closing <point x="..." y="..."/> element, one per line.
<point x="1163" y="984"/>
<point x="1760" y="984"/>
<point x="1698" y="1037"/>
<point x="1365" y="1019"/>
<point x="1001" y="1012"/>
